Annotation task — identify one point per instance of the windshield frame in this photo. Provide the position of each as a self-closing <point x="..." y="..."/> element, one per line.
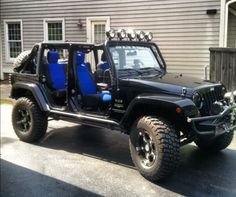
<point x="151" y="45"/>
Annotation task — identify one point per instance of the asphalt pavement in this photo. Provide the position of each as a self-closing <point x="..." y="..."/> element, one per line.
<point x="74" y="160"/>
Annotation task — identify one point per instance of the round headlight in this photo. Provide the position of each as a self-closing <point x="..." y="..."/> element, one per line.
<point x="148" y="36"/>
<point x="131" y="34"/>
<point x="140" y="35"/>
<point x="121" y="34"/>
<point x="197" y="99"/>
<point x="110" y="34"/>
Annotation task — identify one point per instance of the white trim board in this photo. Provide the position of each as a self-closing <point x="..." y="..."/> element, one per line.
<point x="224" y="22"/>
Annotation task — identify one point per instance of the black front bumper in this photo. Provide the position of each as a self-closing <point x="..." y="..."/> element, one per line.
<point x="212" y="126"/>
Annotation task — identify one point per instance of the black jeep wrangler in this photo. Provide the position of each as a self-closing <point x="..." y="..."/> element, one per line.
<point x="122" y="85"/>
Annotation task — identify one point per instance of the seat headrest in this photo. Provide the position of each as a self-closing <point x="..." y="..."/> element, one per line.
<point x="80" y="58"/>
<point x="53" y="57"/>
<point x="103" y="57"/>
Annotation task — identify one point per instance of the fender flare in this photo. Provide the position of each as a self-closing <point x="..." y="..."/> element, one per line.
<point x="163" y="101"/>
<point x="36" y="92"/>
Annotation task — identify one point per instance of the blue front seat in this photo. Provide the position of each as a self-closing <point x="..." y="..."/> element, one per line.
<point x="91" y="97"/>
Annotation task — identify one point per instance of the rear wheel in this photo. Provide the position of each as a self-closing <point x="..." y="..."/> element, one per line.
<point x="29" y="122"/>
<point x="154" y="147"/>
<point x="219" y="143"/>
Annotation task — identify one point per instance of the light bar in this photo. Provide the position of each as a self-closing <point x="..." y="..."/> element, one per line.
<point x="129" y="34"/>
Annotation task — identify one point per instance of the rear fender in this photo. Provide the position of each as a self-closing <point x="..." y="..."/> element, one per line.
<point x="22" y="89"/>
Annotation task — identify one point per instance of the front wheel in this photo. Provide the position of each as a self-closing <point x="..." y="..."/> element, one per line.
<point x="29" y="122"/>
<point x="154" y="147"/>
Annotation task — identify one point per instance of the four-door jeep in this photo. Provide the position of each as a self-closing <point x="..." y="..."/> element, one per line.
<point x="122" y="85"/>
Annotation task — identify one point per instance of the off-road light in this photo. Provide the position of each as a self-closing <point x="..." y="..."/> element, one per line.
<point x="148" y="36"/>
<point x="131" y="34"/>
<point x="121" y="34"/>
<point x="110" y="34"/>
<point x="140" y="35"/>
<point x="230" y="96"/>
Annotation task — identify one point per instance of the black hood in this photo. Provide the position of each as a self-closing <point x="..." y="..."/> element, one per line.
<point x="180" y="80"/>
<point x="171" y="84"/>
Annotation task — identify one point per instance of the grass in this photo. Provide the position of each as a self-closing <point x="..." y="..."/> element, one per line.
<point x="6" y="101"/>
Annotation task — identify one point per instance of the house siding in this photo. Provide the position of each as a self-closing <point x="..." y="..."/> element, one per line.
<point x="181" y="28"/>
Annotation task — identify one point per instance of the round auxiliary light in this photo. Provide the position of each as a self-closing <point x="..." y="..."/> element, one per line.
<point x="148" y="36"/>
<point x="140" y="35"/>
<point x="110" y="34"/>
<point x="131" y="34"/>
<point x="121" y="34"/>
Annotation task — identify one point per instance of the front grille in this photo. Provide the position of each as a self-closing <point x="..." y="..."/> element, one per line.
<point x="210" y="95"/>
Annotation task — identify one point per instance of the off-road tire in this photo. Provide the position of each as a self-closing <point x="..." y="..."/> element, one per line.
<point x="167" y="147"/>
<point x="21" y="58"/>
<point x="38" y="120"/>
<point x="219" y="143"/>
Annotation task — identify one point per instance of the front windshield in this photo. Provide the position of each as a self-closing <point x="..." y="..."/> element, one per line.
<point x="135" y="61"/>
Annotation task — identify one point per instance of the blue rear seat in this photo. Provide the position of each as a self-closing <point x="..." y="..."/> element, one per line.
<point x="56" y="72"/>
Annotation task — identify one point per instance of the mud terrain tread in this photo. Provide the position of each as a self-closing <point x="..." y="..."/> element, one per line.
<point x="39" y="120"/>
<point x="20" y="58"/>
<point x="168" y="148"/>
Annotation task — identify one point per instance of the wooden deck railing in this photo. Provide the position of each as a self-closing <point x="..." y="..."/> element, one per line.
<point x="223" y="66"/>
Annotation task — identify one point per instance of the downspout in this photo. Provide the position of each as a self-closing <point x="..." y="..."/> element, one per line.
<point x="222" y="23"/>
<point x="1" y="56"/>
<point x="226" y="21"/>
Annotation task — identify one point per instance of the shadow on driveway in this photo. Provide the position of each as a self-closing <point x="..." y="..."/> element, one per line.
<point x="199" y="173"/>
<point x="111" y="146"/>
<point x="20" y="181"/>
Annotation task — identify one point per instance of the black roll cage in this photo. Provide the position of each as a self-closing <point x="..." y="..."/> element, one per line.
<point x="87" y="47"/>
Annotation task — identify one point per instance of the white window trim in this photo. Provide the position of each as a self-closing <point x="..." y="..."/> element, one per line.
<point x="224" y="22"/>
<point x="7" y="50"/>
<point x="45" y="28"/>
<point x="90" y="20"/>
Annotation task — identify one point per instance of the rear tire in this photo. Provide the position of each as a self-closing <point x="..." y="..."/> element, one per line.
<point x="219" y="143"/>
<point x="29" y="122"/>
<point x="154" y="147"/>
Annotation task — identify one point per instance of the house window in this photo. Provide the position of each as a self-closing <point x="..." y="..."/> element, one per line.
<point x="54" y="30"/>
<point x="14" y="39"/>
<point x="96" y="33"/>
<point x="99" y="32"/>
<point x="96" y="29"/>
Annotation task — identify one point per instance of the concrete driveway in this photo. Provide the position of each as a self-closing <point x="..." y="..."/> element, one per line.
<point x="74" y="160"/>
